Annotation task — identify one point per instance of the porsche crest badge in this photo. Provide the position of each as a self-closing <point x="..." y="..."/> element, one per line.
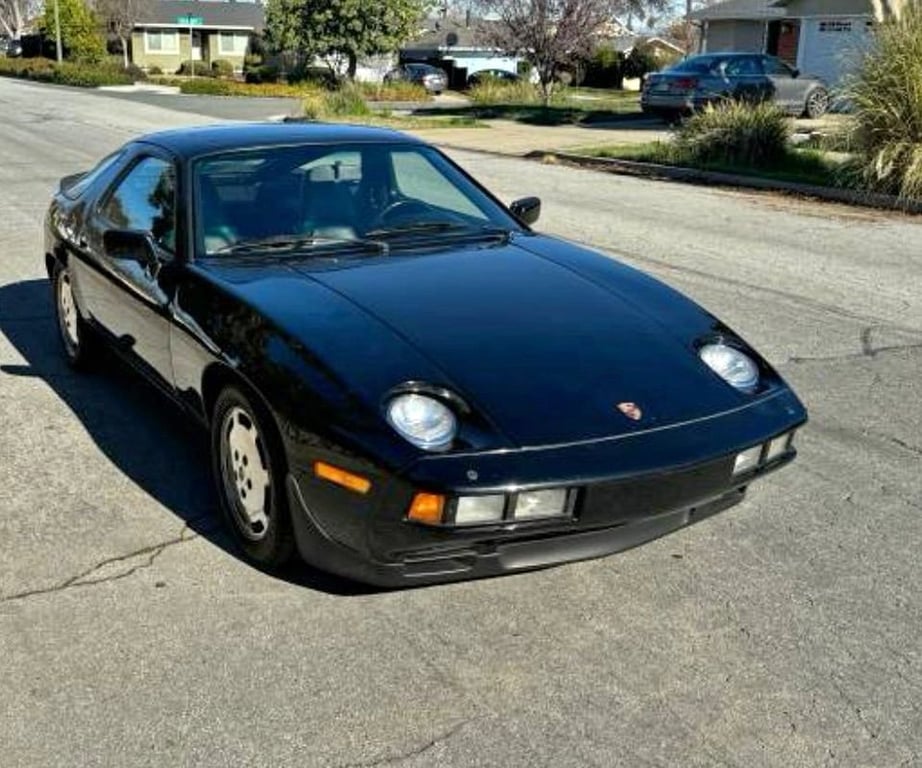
<point x="631" y="410"/>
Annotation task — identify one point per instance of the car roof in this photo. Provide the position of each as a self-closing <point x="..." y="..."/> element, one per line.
<point x="195" y="141"/>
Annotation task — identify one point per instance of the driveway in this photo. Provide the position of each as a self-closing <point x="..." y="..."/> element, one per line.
<point x="784" y="632"/>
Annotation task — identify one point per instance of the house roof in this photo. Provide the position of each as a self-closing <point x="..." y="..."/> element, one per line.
<point x="442" y="34"/>
<point x="741" y="9"/>
<point x="215" y="13"/>
<point x="627" y="43"/>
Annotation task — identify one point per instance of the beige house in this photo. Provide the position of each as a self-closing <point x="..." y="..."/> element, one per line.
<point x="820" y="37"/>
<point x="164" y="39"/>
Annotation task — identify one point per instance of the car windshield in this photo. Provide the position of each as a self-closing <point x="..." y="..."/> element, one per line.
<point x="368" y="197"/>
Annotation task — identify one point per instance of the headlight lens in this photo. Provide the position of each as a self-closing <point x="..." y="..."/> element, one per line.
<point x="733" y="366"/>
<point x="423" y="421"/>
<point x="472" y="510"/>
<point x="535" y="504"/>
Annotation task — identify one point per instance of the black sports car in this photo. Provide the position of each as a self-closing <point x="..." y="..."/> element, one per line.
<point x="403" y="381"/>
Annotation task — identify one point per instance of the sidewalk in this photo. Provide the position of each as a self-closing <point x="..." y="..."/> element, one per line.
<point x="512" y="138"/>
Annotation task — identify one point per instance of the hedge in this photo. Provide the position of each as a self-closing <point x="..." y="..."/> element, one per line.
<point x="65" y="73"/>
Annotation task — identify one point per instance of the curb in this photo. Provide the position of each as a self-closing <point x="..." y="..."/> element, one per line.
<point x="696" y="176"/>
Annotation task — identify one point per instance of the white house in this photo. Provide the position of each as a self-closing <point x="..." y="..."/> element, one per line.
<point x="820" y="37"/>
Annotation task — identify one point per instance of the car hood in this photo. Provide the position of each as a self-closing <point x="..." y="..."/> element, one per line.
<point x="545" y="339"/>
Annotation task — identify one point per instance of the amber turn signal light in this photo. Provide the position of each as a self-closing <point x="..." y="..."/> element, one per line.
<point x="341" y="477"/>
<point x="427" y="508"/>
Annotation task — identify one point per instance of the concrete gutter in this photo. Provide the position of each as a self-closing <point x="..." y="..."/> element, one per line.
<point x="696" y="176"/>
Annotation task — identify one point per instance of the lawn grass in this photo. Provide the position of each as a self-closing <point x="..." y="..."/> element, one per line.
<point x="407" y="122"/>
<point x="803" y="166"/>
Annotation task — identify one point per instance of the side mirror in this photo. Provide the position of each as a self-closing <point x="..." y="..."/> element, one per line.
<point x="69" y="181"/>
<point x="795" y="73"/>
<point x="527" y="210"/>
<point x="129" y="244"/>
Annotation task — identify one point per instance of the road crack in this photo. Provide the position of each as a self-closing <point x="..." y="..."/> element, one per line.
<point x="866" y="352"/>
<point x="412" y="752"/>
<point x="111" y="569"/>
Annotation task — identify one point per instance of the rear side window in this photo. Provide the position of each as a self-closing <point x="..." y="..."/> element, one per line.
<point x="775" y="66"/>
<point x="742" y="67"/>
<point x="697" y="65"/>
<point x="88" y="179"/>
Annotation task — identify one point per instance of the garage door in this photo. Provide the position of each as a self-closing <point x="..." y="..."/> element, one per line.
<point x="832" y="47"/>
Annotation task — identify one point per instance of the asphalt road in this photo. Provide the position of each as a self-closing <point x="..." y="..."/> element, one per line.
<point x="785" y="632"/>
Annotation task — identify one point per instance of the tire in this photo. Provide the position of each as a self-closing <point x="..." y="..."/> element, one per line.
<point x="77" y="340"/>
<point x="248" y="464"/>
<point x="816" y="104"/>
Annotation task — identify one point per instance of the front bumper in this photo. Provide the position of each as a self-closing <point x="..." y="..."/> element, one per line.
<point x="630" y="490"/>
<point x="488" y="558"/>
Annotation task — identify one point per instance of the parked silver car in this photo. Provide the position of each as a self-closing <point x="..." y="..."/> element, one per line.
<point x="431" y="78"/>
<point x="709" y="78"/>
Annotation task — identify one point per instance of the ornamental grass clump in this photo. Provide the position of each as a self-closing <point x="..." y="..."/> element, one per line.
<point x="734" y="133"/>
<point x="885" y="96"/>
<point x="493" y="91"/>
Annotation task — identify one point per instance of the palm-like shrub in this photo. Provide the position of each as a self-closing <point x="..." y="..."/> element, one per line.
<point x="734" y="133"/>
<point x="886" y="98"/>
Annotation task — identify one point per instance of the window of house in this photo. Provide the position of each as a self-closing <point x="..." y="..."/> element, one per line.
<point x="233" y="43"/>
<point x="161" y="41"/>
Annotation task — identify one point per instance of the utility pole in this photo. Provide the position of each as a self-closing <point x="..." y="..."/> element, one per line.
<point x="57" y="32"/>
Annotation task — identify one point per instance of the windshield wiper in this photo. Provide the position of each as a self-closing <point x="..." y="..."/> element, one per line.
<point x="286" y="244"/>
<point x="437" y="227"/>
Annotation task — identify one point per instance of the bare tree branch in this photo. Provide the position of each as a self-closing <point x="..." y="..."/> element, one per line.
<point x="15" y="14"/>
<point x="120" y="17"/>
<point x="553" y="33"/>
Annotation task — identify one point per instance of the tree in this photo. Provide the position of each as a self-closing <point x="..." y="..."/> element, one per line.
<point x="80" y="36"/>
<point x="350" y="29"/>
<point x="120" y="17"/>
<point x="14" y="14"/>
<point x="551" y="34"/>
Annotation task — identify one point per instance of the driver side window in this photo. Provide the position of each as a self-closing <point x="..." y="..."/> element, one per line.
<point x="145" y="201"/>
<point x="416" y="178"/>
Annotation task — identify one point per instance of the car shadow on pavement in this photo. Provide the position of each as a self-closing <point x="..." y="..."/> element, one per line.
<point x="149" y="439"/>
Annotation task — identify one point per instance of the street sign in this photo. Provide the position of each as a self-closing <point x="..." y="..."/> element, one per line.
<point x="190" y="21"/>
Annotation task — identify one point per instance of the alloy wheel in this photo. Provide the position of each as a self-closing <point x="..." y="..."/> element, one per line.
<point x="245" y="473"/>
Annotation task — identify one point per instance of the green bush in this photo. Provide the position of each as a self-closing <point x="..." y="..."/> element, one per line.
<point x="222" y="68"/>
<point x="66" y="73"/>
<point x="80" y="31"/>
<point x="399" y="90"/>
<point x="886" y="98"/>
<point x="155" y="70"/>
<point x="347" y="101"/>
<point x="267" y="73"/>
<point x="605" y="69"/>
<point x="641" y="60"/>
<point x="207" y="86"/>
<point x="734" y="133"/>
<point x="201" y="69"/>
<point x="323" y="77"/>
<point x="491" y="92"/>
